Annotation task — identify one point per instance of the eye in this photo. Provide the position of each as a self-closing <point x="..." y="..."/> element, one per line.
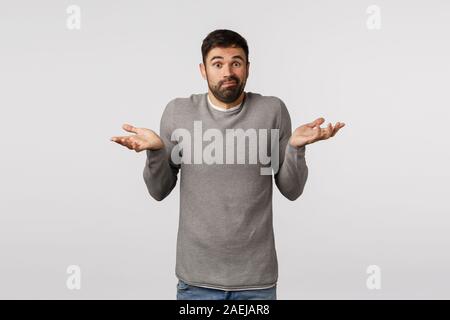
<point x="216" y="64"/>
<point x="237" y="64"/>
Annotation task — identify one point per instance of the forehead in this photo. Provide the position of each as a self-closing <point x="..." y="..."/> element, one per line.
<point x="226" y="53"/>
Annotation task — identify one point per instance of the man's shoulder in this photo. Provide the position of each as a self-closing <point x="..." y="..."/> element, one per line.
<point x="267" y="103"/>
<point x="267" y="99"/>
<point x="186" y="101"/>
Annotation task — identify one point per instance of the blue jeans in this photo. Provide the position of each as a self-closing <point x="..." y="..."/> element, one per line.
<point x="189" y="292"/>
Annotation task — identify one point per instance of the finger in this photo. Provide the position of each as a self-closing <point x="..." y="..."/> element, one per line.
<point x="329" y="130"/>
<point x="326" y="132"/>
<point x="129" y="128"/>
<point x="338" y="126"/>
<point x="129" y="144"/>
<point x="124" y="141"/>
<point x="341" y="125"/>
<point x="316" y="122"/>
<point x="117" y="140"/>
<point x="318" y="133"/>
<point x="335" y="129"/>
<point x="120" y="140"/>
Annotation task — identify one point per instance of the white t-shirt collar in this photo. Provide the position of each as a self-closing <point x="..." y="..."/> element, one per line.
<point x="223" y="109"/>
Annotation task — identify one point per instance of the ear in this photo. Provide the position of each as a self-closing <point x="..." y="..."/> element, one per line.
<point x="248" y="68"/>
<point x="202" y="70"/>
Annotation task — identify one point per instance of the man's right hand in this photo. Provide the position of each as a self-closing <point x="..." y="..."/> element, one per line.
<point x="143" y="139"/>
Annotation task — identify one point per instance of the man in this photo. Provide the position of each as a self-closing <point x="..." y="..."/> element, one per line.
<point x="225" y="242"/>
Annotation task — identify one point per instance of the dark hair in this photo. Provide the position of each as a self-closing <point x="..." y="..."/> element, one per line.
<point x="223" y="38"/>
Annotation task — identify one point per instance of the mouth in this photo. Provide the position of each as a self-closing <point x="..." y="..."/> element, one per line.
<point x="229" y="84"/>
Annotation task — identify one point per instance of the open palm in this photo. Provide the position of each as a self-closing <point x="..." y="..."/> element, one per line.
<point x="143" y="139"/>
<point x="312" y="132"/>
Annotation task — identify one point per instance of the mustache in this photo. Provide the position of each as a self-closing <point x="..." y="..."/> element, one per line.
<point x="229" y="79"/>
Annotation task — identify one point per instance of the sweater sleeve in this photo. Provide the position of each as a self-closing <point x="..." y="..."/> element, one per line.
<point x="293" y="172"/>
<point x="160" y="172"/>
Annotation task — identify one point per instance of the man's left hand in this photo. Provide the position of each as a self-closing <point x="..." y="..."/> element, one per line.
<point x="312" y="132"/>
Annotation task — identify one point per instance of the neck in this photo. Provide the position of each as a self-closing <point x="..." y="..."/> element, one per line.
<point x="221" y="104"/>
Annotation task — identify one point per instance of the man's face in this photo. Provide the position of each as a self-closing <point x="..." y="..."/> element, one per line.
<point x="226" y="71"/>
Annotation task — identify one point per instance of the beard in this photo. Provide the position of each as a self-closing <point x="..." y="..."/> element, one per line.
<point x="227" y="94"/>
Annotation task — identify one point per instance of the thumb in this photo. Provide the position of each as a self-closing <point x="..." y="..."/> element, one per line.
<point x="129" y="128"/>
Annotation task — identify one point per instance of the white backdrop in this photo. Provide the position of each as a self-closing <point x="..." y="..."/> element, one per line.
<point x="376" y="193"/>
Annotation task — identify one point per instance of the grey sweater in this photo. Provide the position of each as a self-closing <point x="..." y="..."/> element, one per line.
<point x="225" y="234"/>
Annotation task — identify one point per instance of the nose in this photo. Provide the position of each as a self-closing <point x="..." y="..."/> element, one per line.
<point x="227" y="71"/>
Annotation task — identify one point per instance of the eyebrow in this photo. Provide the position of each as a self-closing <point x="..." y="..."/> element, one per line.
<point x="220" y="57"/>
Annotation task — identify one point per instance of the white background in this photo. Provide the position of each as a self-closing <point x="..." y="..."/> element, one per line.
<point x="376" y="194"/>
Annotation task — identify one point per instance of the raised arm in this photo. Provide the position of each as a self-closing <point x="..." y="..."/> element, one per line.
<point x="160" y="172"/>
<point x="293" y="172"/>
